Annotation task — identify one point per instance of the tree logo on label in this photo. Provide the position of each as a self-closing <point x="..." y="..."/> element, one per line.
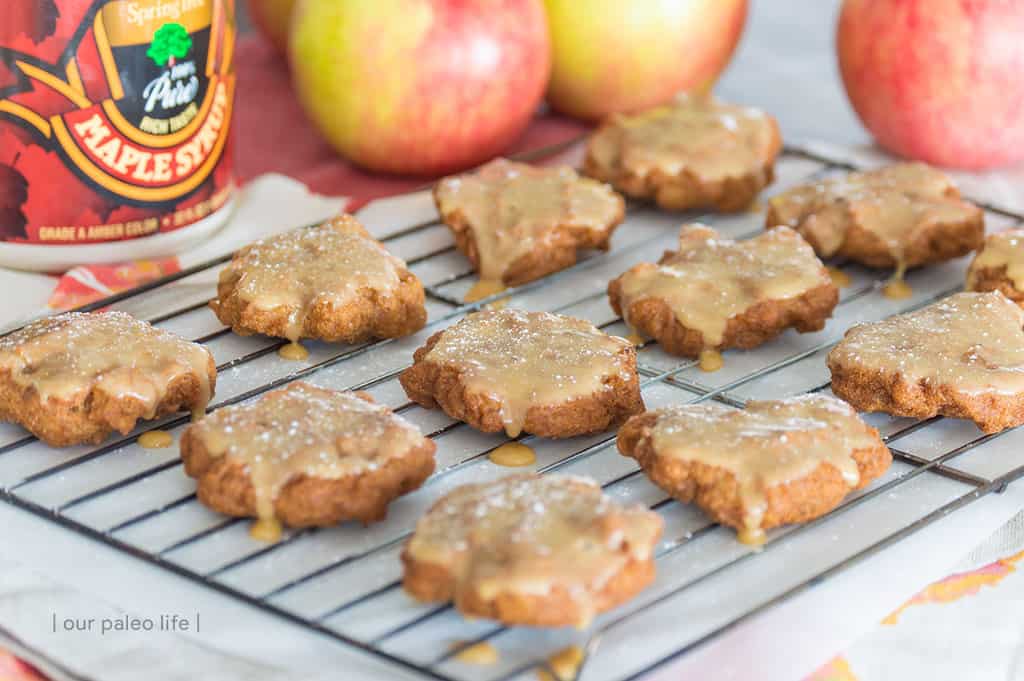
<point x="170" y="42"/>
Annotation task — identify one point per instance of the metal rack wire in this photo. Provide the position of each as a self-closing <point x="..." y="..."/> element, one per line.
<point x="106" y="492"/>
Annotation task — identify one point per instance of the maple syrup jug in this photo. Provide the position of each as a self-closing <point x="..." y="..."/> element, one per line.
<point x="115" y="128"/>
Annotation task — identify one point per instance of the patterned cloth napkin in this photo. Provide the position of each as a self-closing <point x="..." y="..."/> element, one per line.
<point x="964" y="627"/>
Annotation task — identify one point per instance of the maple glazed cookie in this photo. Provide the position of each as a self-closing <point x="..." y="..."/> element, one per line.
<point x="530" y="550"/>
<point x="306" y="456"/>
<point x="77" y="377"/>
<point x="772" y="463"/>
<point x="517" y="223"/>
<point x="332" y="282"/>
<point x="999" y="265"/>
<point x="692" y="153"/>
<point x="716" y="293"/>
<point x="902" y="216"/>
<point x="531" y="372"/>
<point x="961" y="357"/>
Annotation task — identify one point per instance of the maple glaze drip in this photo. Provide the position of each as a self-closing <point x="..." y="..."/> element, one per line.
<point x="123" y="357"/>
<point x="267" y="530"/>
<point x="484" y="288"/>
<point x="840" y="278"/>
<point x="293" y="351"/>
<point x="751" y="536"/>
<point x="1002" y="250"/>
<point x="710" y="279"/>
<point x="513" y="454"/>
<point x="156" y="439"/>
<point x="709" y="138"/>
<point x="514" y="208"/>
<point x="304" y="430"/>
<point x="892" y="203"/>
<point x="300" y="269"/>
<point x="710" y="360"/>
<point x="526" y="359"/>
<point x="769" y="443"/>
<point x="973" y="342"/>
<point x="565" y="664"/>
<point x="897" y="289"/>
<point x="482" y="653"/>
<point x="530" y="534"/>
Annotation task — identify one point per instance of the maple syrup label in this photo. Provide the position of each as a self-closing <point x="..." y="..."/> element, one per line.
<point x="115" y="117"/>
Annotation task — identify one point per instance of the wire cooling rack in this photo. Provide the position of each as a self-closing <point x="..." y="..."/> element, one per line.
<point x="344" y="583"/>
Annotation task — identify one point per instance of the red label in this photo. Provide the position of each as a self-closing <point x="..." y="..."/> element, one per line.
<point x="115" y="117"/>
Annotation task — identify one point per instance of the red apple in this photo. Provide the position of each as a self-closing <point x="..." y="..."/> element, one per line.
<point x="420" y="86"/>
<point x="938" y="80"/>
<point x="271" y="18"/>
<point x="627" y="55"/>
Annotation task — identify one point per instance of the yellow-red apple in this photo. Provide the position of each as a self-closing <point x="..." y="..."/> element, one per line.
<point x="420" y="86"/>
<point x="625" y="55"/>
<point x="271" y="18"/>
<point x="937" y="80"/>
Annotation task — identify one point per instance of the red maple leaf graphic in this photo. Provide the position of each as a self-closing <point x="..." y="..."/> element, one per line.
<point x="36" y="19"/>
<point x="13" y="193"/>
